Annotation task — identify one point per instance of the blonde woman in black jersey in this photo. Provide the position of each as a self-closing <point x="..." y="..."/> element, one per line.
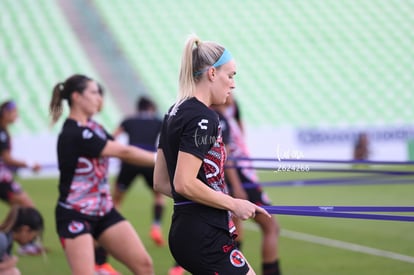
<point x="189" y="166"/>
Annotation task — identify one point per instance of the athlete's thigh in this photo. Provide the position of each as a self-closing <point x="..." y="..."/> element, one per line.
<point x="122" y="242"/>
<point x="80" y="254"/>
<point x="11" y="271"/>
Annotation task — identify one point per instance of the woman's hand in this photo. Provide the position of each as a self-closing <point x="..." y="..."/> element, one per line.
<point x="244" y="209"/>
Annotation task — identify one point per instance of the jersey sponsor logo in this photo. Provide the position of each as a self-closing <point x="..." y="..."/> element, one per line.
<point x="237" y="258"/>
<point x="75" y="227"/>
<point x="201" y="124"/>
<point x="87" y="134"/>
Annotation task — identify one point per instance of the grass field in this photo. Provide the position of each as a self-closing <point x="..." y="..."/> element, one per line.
<point x="308" y="245"/>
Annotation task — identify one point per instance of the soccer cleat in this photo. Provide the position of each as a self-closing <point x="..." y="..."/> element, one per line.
<point x="156" y="235"/>
<point x="176" y="270"/>
<point x="105" y="269"/>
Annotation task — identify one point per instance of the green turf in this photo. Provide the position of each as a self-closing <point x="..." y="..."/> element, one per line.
<point x="297" y="256"/>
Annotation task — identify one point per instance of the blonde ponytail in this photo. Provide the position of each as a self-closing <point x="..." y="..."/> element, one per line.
<point x="196" y="56"/>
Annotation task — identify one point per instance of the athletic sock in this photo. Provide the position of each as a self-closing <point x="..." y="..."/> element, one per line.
<point x="158" y="210"/>
<point x="101" y="256"/>
<point x="271" y="268"/>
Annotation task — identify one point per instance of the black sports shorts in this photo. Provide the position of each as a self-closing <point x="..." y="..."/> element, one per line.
<point x="129" y="172"/>
<point x="254" y="191"/>
<point x="203" y="249"/>
<point x="8" y="188"/>
<point x="70" y="223"/>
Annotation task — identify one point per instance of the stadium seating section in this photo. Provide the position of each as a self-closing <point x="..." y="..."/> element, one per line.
<point x="300" y="63"/>
<point x="37" y="50"/>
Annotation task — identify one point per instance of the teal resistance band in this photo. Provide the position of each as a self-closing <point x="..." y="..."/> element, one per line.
<point x="224" y="58"/>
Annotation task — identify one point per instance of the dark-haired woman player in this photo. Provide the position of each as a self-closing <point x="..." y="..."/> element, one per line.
<point x="85" y="211"/>
<point x="189" y="166"/>
<point x="10" y="191"/>
<point x="22" y="225"/>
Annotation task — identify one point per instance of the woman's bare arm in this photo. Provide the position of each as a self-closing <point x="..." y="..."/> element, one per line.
<point x="187" y="184"/>
<point x="128" y="153"/>
<point x="161" y="177"/>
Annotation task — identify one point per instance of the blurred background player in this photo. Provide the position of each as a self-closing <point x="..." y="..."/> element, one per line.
<point x="22" y="225"/>
<point x="361" y="147"/>
<point x="143" y="130"/>
<point x="10" y="191"/>
<point x="84" y="211"/>
<point x="233" y="110"/>
<point x="236" y="176"/>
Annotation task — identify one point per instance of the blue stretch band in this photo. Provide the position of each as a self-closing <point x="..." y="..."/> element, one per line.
<point x="341" y="170"/>
<point x="344" y="208"/>
<point x="336" y="214"/>
<point x="372" y="162"/>
<point x="344" y="181"/>
<point x="223" y="59"/>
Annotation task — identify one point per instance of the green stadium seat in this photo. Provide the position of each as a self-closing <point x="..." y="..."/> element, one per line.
<point x="300" y="63"/>
<point x="38" y="50"/>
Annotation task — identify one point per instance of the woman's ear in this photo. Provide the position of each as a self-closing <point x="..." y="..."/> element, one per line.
<point x="212" y="71"/>
<point x="75" y="95"/>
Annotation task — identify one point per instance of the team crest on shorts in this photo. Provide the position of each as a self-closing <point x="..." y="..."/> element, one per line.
<point x="75" y="227"/>
<point x="237" y="258"/>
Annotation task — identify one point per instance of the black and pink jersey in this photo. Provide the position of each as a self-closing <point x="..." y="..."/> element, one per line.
<point x="6" y="172"/>
<point x="83" y="182"/>
<point x="194" y="128"/>
<point x="238" y="147"/>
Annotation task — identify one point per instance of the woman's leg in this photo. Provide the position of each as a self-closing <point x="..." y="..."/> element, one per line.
<point x="270" y="237"/>
<point x="80" y="254"/>
<point x="124" y="244"/>
<point x="10" y="271"/>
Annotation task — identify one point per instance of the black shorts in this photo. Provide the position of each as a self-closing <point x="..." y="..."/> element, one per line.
<point x="254" y="191"/>
<point x="8" y="189"/>
<point x="70" y="223"/>
<point x="203" y="249"/>
<point x="129" y="172"/>
<point x="257" y="196"/>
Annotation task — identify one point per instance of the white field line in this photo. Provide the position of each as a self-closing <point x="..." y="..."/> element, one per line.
<point x="338" y="244"/>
